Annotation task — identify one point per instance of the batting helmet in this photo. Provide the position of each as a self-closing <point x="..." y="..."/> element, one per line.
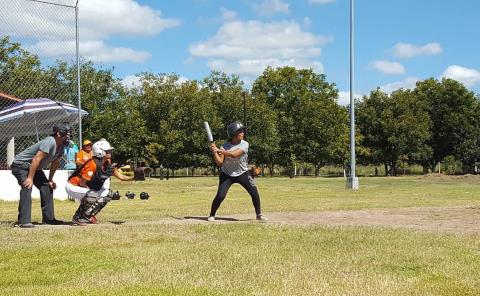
<point x="235" y="128"/>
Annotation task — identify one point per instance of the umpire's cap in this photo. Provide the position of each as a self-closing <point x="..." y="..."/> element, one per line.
<point x="235" y="128"/>
<point x="63" y="128"/>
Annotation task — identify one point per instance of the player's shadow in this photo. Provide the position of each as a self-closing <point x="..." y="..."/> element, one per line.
<point x="39" y="224"/>
<point x="203" y="218"/>
<point x="7" y="223"/>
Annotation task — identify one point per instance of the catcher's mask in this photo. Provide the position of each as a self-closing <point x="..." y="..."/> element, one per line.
<point x="100" y="148"/>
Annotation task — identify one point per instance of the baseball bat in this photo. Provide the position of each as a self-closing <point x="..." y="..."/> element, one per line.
<point x="209" y="131"/>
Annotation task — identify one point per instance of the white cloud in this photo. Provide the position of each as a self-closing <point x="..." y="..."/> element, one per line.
<point x="96" y="51"/>
<point x="405" y="50"/>
<point x="388" y="67"/>
<point x="255" y="67"/>
<point x="307" y="22"/>
<point x="408" y="83"/>
<point x="228" y="15"/>
<point x="249" y="47"/>
<point x="320" y="1"/>
<point x="131" y="81"/>
<point x="467" y="76"/>
<point x="271" y="7"/>
<point x="98" y="20"/>
<point x="344" y="97"/>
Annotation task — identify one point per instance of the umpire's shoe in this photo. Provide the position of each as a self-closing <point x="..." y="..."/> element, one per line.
<point x="23" y="225"/>
<point x="53" y="222"/>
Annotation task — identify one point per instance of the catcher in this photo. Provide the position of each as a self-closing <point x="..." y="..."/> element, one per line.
<point x="90" y="184"/>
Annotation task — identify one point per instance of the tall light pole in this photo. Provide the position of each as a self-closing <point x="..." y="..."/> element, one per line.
<point x="352" y="180"/>
<point x="79" y="96"/>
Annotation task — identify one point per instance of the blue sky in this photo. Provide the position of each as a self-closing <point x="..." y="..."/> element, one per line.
<point x="397" y="42"/>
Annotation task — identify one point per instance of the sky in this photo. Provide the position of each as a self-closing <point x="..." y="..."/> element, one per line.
<point x="397" y="42"/>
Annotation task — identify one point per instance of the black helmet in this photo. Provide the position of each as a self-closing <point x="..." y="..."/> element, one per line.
<point x="144" y="195"/>
<point x="115" y="195"/>
<point x="235" y="128"/>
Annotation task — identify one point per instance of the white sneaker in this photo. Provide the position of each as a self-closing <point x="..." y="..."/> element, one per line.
<point x="211" y="219"/>
<point x="262" y="218"/>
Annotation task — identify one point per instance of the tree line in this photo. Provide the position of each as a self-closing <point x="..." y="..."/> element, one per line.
<point x="293" y="115"/>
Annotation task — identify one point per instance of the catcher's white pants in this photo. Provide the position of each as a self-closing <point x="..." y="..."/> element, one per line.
<point x="78" y="192"/>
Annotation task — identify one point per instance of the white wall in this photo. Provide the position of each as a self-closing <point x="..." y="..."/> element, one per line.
<point x="10" y="190"/>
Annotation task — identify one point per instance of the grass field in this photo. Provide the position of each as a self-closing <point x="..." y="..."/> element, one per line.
<point x="164" y="247"/>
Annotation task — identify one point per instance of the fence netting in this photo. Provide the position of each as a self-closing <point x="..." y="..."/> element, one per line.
<point x="38" y="75"/>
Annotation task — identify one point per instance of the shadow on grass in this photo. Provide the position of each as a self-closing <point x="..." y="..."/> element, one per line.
<point x="4" y="223"/>
<point x="204" y="218"/>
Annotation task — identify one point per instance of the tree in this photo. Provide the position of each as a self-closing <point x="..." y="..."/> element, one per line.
<point x="395" y="128"/>
<point x="262" y="132"/>
<point x="454" y="125"/>
<point x="406" y="125"/>
<point x="303" y="102"/>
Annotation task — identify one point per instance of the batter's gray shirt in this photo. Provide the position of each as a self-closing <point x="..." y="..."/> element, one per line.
<point x="47" y="145"/>
<point x="234" y="167"/>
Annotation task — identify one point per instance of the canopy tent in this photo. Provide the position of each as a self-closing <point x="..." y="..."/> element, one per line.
<point x="35" y="116"/>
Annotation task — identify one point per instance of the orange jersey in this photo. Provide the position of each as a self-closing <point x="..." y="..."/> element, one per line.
<point x="86" y="173"/>
<point x="83" y="157"/>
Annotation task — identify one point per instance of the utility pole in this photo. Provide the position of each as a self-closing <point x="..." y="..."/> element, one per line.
<point x="77" y="41"/>
<point x="352" y="180"/>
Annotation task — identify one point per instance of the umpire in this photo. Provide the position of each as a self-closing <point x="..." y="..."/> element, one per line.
<point x="27" y="168"/>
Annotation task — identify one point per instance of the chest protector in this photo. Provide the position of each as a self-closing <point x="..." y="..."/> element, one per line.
<point x="100" y="175"/>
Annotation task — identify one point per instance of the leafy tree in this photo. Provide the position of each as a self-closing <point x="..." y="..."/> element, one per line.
<point x="395" y="128"/>
<point x="454" y="125"/>
<point x="262" y="134"/>
<point x="300" y="98"/>
<point x="156" y="102"/>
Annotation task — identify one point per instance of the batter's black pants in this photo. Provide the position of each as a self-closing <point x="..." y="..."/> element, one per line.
<point x="225" y="181"/>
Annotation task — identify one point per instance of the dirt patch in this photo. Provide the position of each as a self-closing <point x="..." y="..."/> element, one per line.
<point x="443" y="219"/>
<point x="455" y="219"/>
<point x="461" y="219"/>
<point x="442" y="177"/>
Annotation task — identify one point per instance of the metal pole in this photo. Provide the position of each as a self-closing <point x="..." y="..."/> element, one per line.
<point x="51" y="3"/>
<point x="245" y="112"/>
<point x="244" y="108"/>
<point x="352" y="181"/>
<point x="79" y="96"/>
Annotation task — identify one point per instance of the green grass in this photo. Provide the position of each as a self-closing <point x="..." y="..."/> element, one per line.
<point x="146" y="257"/>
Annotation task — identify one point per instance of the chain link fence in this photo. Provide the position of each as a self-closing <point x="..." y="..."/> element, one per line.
<point x="38" y="72"/>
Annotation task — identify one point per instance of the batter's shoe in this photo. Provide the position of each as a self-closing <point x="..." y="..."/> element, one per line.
<point x="262" y="218"/>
